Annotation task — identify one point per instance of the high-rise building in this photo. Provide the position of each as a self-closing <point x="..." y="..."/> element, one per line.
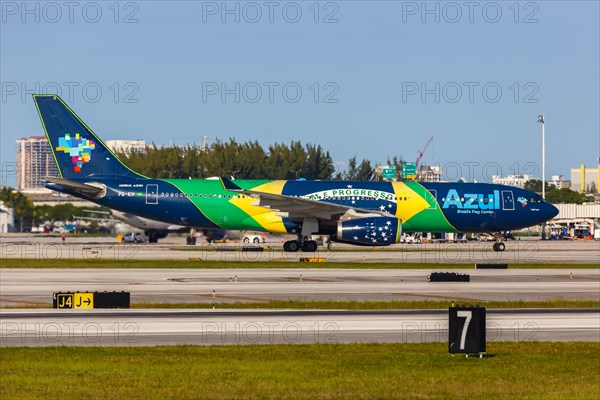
<point x="34" y="162"/>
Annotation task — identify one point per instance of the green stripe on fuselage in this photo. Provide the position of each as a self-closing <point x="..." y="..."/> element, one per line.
<point x="429" y="220"/>
<point x="218" y="208"/>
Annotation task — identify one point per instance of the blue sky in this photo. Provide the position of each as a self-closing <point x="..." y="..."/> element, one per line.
<point x="373" y="79"/>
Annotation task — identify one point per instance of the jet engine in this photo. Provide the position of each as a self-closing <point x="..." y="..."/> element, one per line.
<point x="369" y="231"/>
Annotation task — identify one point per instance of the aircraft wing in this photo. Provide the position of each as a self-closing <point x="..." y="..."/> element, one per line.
<point x="296" y="207"/>
<point x="77" y="187"/>
<point x="95" y="219"/>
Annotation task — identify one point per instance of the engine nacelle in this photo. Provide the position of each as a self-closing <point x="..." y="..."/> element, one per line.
<point x="369" y="231"/>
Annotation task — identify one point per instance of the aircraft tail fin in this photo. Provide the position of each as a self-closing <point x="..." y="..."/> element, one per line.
<point x="78" y="152"/>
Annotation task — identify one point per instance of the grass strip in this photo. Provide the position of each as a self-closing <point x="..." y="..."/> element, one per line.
<point x="320" y="371"/>
<point x="112" y="263"/>
<point x="374" y="305"/>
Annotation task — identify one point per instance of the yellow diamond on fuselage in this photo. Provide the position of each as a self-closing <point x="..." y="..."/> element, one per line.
<point x="408" y="202"/>
<point x="267" y="218"/>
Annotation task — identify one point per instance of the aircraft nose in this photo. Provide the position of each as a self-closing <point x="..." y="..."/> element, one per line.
<point x="550" y="211"/>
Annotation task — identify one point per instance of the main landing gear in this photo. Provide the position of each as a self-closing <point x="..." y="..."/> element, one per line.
<point x="309" y="226"/>
<point x="307" y="246"/>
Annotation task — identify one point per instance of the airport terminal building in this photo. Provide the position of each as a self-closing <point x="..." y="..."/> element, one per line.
<point x="584" y="178"/>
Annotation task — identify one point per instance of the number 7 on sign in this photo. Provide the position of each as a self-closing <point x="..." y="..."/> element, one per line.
<point x="463" y="336"/>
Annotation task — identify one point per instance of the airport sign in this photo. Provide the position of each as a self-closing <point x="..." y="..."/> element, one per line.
<point x="409" y="170"/>
<point x="389" y="172"/>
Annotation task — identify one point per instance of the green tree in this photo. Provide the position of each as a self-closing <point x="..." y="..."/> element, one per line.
<point x="21" y="205"/>
<point x="556" y="196"/>
<point x="565" y="195"/>
<point x="535" y="185"/>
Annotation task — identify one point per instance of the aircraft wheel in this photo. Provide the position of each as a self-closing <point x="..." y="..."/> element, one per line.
<point x="310" y="246"/>
<point x="246" y="240"/>
<point x="292" y="246"/>
<point x="256" y="240"/>
<point x="499" y="246"/>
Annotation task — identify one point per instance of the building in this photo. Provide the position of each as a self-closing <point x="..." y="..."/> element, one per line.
<point x="559" y="182"/>
<point x="429" y="173"/>
<point x="576" y="220"/>
<point x="7" y="219"/>
<point x="512" y="180"/>
<point x="127" y="146"/>
<point x="583" y="179"/>
<point x="34" y="162"/>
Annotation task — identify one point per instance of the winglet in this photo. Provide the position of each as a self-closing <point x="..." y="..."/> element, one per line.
<point x="229" y="185"/>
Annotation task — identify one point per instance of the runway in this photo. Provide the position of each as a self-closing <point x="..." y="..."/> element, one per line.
<point x="42" y="327"/>
<point x="211" y="327"/>
<point x="34" y="287"/>
<point x="528" y="250"/>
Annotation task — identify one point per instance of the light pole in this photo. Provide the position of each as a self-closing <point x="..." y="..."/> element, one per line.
<point x="541" y="121"/>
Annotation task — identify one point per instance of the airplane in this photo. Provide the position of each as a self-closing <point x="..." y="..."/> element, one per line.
<point x="364" y="213"/>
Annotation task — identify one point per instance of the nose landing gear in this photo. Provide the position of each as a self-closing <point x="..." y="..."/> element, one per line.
<point x="499" y="246"/>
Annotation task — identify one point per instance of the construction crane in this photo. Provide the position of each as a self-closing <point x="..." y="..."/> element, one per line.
<point x="421" y="152"/>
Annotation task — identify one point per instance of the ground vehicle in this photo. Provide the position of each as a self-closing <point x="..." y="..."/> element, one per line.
<point x="485" y="237"/>
<point x="505" y="235"/>
<point x="456" y="237"/>
<point x="410" y="238"/>
<point x="252" y="238"/>
<point x="134" y="237"/>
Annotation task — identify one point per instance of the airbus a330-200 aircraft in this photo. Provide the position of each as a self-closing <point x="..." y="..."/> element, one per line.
<point x="361" y="213"/>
